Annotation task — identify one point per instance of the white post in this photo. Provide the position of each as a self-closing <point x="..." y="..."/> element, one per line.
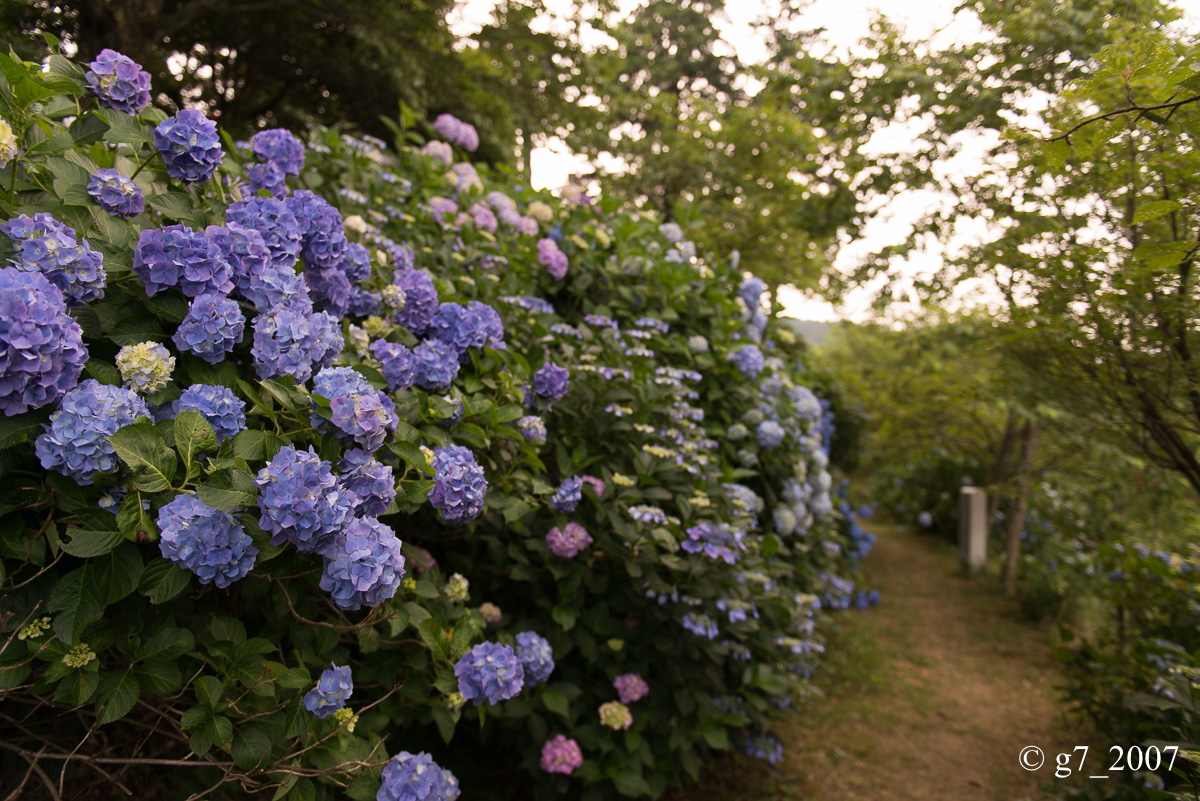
<point x="972" y="529"/>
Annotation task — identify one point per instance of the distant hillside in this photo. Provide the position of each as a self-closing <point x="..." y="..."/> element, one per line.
<point x="813" y="332"/>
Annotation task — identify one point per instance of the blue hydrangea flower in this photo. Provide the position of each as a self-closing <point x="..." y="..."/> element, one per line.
<point x="75" y="443"/>
<point x="213" y="325"/>
<point x="420" y="300"/>
<point x="46" y="246"/>
<point x="322" y="237"/>
<point x="532" y="428"/>
<point x="364" y="303"/>
<point x="363" y="565"/>
<point x="332" y="692"/>
<point x="223" y="410"/>
<point x="568" y="495"/>
<point x="301" y="500"/>
<point x="449" y="454"/>
<point x="329" y="291"/>
<point x="115" y="193"/>
<point x="267" y="176"/>
<point x="701" y="625"/>
<point x="330" y="341"/>
<point x="357" y="263"/>
<point x="359" y="412"/>
<point x="551" y="381"/>
<point x="410" y="777"/>
<point x="456" y="414"/>
<point x="280" y="147"/>
<point x="489" y="672"/>
<point x="715" y="541"/>
<point x="276" y="224"/>
<point x="459" y="486"/>
<point x="118" y="82"/>
<point x="467" y="325"/>
<point x="211" y="544"/>
<point x="279" y="288"/>
<point x="178" y="257"/>
<point x="190" y="146"/>
<point x="285" y="343"/>
<point x="435" y="365"/>
<point x="769" y="434"/>
<point x="41" y="345"/>
<point x="748" y="359"/>
<point x="371" y="481"/>
<point x="751" y="291"/>
<point x="398" y="364"/>
<point x="537" y="657"/>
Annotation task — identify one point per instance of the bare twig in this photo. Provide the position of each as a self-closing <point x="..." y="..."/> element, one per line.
<point x="1141" y="112"/>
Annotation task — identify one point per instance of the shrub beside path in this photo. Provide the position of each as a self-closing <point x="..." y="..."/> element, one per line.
<point x="937" y="691"/>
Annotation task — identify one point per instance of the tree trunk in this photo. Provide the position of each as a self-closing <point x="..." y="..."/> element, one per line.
<point x="1016" y="520"/>
<point x="527" y="156"/>
<point x="999" y="472"/>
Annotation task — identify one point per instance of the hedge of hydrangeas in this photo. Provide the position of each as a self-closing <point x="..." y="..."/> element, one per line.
<point x="308" y="400"/>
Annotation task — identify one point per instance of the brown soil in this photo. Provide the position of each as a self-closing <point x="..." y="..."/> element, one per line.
<point x="940" y="688"/>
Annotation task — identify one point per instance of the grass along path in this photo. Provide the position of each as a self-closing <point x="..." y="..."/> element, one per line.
<point x="934" y="693"/>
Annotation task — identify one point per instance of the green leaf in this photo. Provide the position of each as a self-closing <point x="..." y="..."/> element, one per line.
<point x="209" y="691"/>
<point x="176" y="206"/>
<point x="564" y="616"/>
<point x="135" y="521"/>
<point x="162" y="580"/>
<point x="631" y="784"/>
<point x="103" y="372"/>
<point x="250" y="746"/>
<point x="193" y="435"/>
<point x="97" y="534"/>
<point x="412" y="456"/>
<point x="74" y="599"/>
<point x="1155" y="209"/>
<point x="144" y="451"/>
<point x="555" y="701"/>
<point x="770" y="546"/>
<point x="160" y="678"/>
<point x="445" y="720"/>
<point x="220" y="493"/>
<point x="166" y="645"/>
<point x="116" y="574"/>
<point x="22" y="427"/>
<point x="117" y="696"/>
<point x="435" y="637"/>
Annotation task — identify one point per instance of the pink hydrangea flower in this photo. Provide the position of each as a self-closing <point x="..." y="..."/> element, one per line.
<point x="568" y="541"/>
<point x="631" y="687"/>
<point x="561" y="755"/>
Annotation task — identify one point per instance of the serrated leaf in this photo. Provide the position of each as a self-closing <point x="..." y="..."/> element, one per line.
<point x="144" y="451"/>
<point x="250" y="746"/>
<point x="22" y="427"/>
<point x="555" y="701"/>
<point x="435" y="637"/>
<point x="103" y="372"/>
<point x="176" y="206"/>
<point x="1155" y="209"/>
<point x="97" y="534"/>
<point x="162" y="580"/>
<point x="117" y="696"/>
<point x="166" y="645"/>
<point x="135" y="521"/>
<point x="412" y="456"/>
<point x="74" y="599"/>
<point x="193" y="435"/>
<point x="220" y="493"/>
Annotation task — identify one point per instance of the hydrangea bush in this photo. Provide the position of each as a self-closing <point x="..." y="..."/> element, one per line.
<point x="344" y="410"/>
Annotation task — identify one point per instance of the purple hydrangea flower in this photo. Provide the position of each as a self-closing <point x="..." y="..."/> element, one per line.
<point x="118" y="82"/>
<point x="532" y="428"/>
<point x="410" y="777"/>
<point x="751" y="291"/>
<point x="46" y="246"/>
<point x="41" y="346"/>
<point x="267" y="176"/>
<point x="211" y="544"/>
<point x="285" y="343"/>
<point x="116" y="194"/>
<point x="322" y="237"/>
<point x="363" y="565"/>
<point x="464" y="326"/>
<point x="568" y="541"/>
<point x="357" y="263"/>
<point x="420" y="300"/>
<point x="715" y="541"/>
<point x="280" y="147"/>
<point x="301" y="501"/>
<point x="223" y="410"/>
<point x="769" y="434"/>
<point x="568" y="495"/>
<point x="75" y="443"/>
<point x="537" y="657"/>
<point x="561" y="755"/>
<point x="484" y="219"/>
<point x="178" y="257"/>
<point x="748" y="360"/>
<point x="489" y="672"/>
<point x="459" y="487"/>
<point x="454" y="130"/>
<point x="435" y="365"/>
<point x="329" y="291"/>
<point x="213" y="325"/>
<point x="551" y="381"/>
<point x="364" y="303"/>
<point x="398" y="364"/>
<point x="631" y="687"/>
<point x="359" y="412"/>
<point x="190" y="146"/>
<point x="371" y="481"/>
<point x="332" y="692"/>
<point x="450" y="454"/>
<point x="330" y="341"/>
<point x="276" y="224"/>
<point x="553" y="259"/>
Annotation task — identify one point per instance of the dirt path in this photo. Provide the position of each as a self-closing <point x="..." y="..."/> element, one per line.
<point x="940" y="688"/>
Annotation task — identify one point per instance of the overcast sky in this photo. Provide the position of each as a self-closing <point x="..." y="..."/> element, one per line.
<point x="846" y="22"/>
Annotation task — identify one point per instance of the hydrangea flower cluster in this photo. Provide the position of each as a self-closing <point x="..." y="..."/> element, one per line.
<point x="435" y="365"/>
<point x="553" y="259"/>
<point x="118" y="82"/>
<point x="551" y="381"/>
<point x="489" y="672"/>
<point x="537" y="657"/>
<point x="438" y="151"/>
<point x="75" y="443"/>
<point x="178" y="257"/>
<point x="397" y="364"/>
<point x="648" y="514"/>
<point x="770" y="434"/>
<point x="568" y="541"/>
<point x="616" y="716"/>
<point x="561" y="755"/>
<point x="532" y="428"/>
<point x="322" y="236"/>
<point x="491" y="613"/>
<point x="456" y="131"/>
<point x="459" y="485"/>
<point x="41" y="345"/>
<point x="250" y="262"/>
<point x="223" y="410"/>
<point x="765" y="747"/>
<point x="371" y="482"/>
<point x="213" y="325"/>
<point x="701" y="625"/>
<point x="420" y="299"/>
<point x="280" y="147"/>
<point x="416" y="777"/>
<point x="116" y="194"/>
<point x="8" y="144"/>
<point x="457" y="589"/>
<point x="363" y="565"/>
<point x="463" y="326"/>
<point x="359" y="412"/>
<point x="568" y="495"/>
<point x="715" y="541"/>
<point x="46" y="246"/>
<point x="631" y="687"/>
<point x="190" y="146"/>
<point x="332" y="692"/>
<point x="288" y="342"/>
<point x="748" y="359"/>
<point x="211" y="544"/>
<point x="275" y="223"/>
<point x="146" y="366"/>
<point x="301" y="500"/>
